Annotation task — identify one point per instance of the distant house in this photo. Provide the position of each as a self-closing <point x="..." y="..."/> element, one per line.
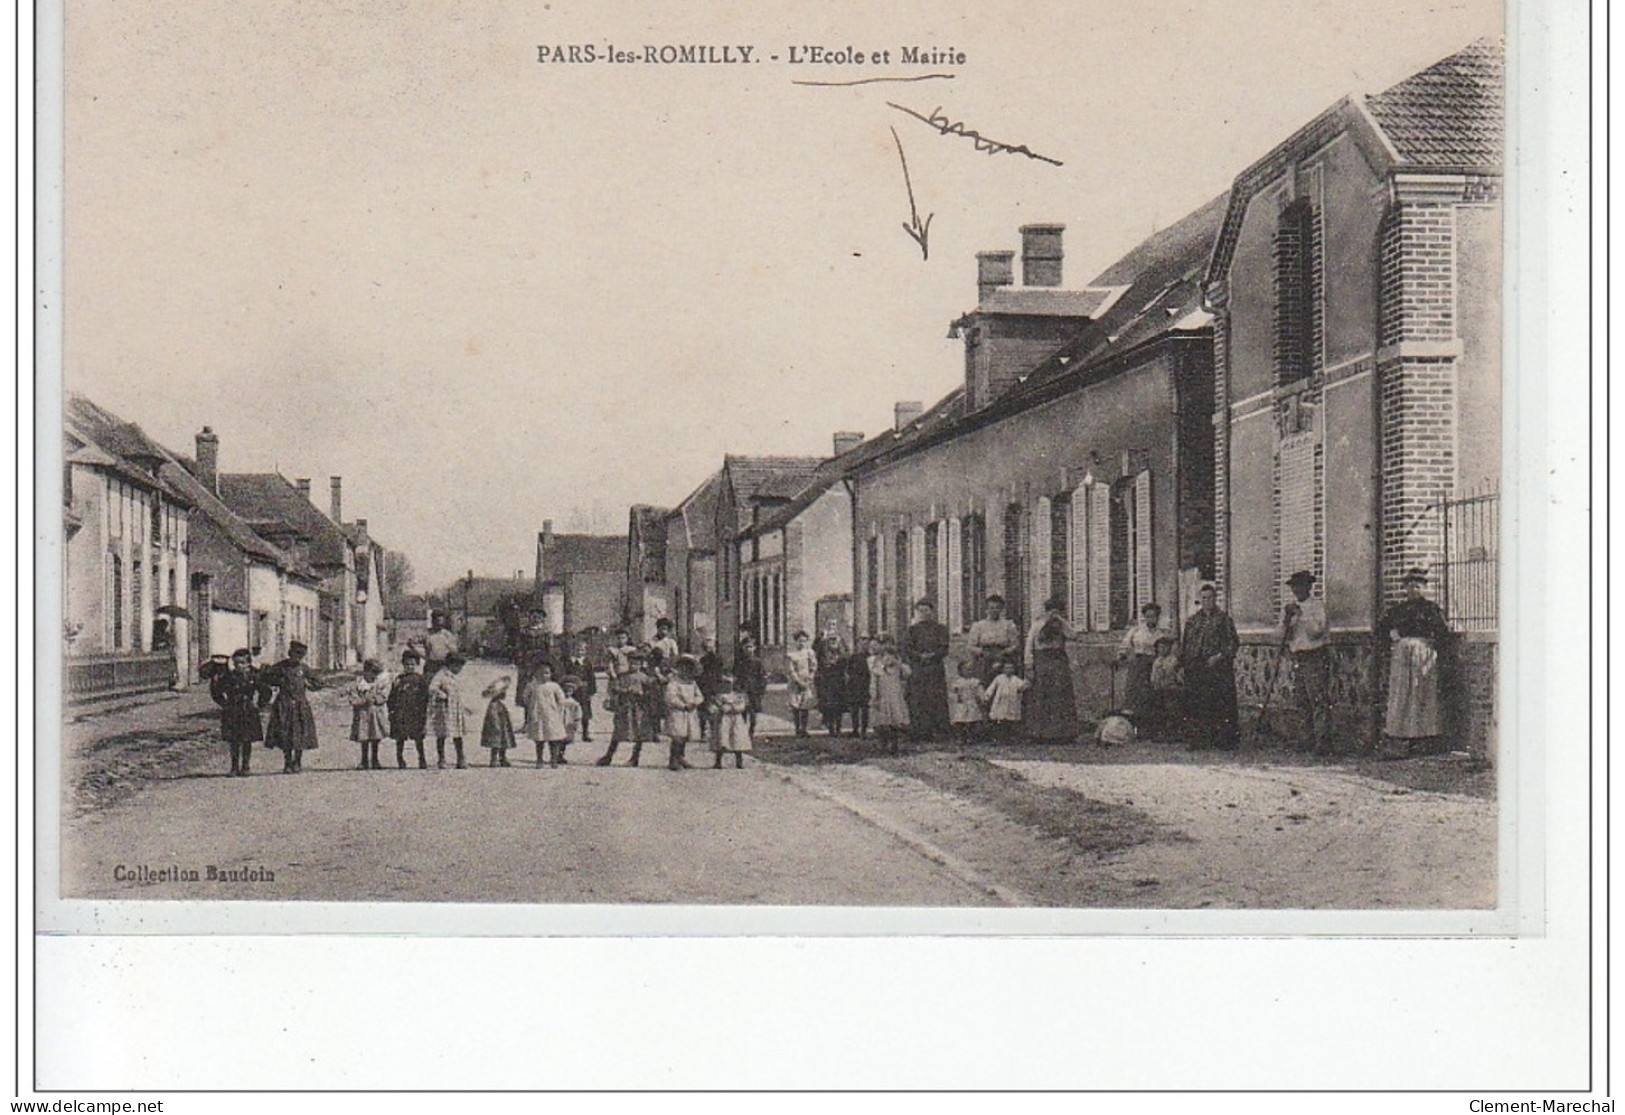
<point x="749" y="488"/>
<point x="691" y="565"/>
<point x="406" y="619"/>
<point x="126" y="530"/>
<point x="646" y="590"/>
<point x="581" y="580"/>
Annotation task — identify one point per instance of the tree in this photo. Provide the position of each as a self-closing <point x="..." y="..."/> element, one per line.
<point x="397" y="575"/>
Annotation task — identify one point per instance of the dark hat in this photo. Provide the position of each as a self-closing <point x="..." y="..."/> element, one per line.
<point x="1056" y="603"/>
<point x="410" y="655"/>
<point x="1302" y="577"/>
<point x="1416" y="575"/>
<point x="1152" y="607"/>
<point x="297" y="645"/>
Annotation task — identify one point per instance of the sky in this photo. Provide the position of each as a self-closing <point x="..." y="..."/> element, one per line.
<point x="382" y="241"/>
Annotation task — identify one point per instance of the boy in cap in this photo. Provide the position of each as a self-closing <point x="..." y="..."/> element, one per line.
<point x="1305" y="634"/>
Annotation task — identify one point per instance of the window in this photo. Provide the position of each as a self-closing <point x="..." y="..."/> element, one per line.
<point x="900" y="575"/>
<point x="1297" y="266"/>
<point x="1060" y="549"/>
<point x="972" y="567"/>
<point x="157" y="538"/>
<point x="872" y="605"/>
<point x="1015" y="564"/>
<point x="933" y="568"/>
<point x="116" y="601"/>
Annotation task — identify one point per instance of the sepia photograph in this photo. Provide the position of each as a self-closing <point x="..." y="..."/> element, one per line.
<point x="512" y="454"/>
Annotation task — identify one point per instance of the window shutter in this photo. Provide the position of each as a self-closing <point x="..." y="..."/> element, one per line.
<point x="882" y="575"/>
<point x="1100" y="557"/>
<point x="1038" y="561"/>
<point x="1143" y="577"/>
<point x="952" y="590"/>
<point x="916" y="569"/>
<point x="1078" y="559"/>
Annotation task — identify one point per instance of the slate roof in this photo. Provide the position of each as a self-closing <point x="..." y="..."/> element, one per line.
<point x="177" y="470"/>
<point x="124" y="447"/>
<point x="1452" y="114"/>
<point x="268" y="501"/>
<point x="585" y="553"/>
<point x="1047" y="301"/>
<point x="770" y="477"/>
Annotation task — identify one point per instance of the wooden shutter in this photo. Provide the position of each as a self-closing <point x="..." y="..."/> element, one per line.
<point x="1143" y="575"/>
<point x="1038" y="554"/>
<point x="1100" y="557"/>
<point x="916" y="569"/>
<point x="1078" y="559"/>
<point x="883" y="568"/>
<point x="952" y="590"/>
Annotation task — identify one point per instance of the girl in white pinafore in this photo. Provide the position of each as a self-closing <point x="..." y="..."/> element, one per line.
<point x="732" y="730"/>
<point x="544" y="715"/>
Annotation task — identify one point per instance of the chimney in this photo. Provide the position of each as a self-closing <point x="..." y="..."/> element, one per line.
<point x="544" y="539"/>
<point x="906" y="414"/>
<point x="208" y="460"/>
<point x="362" y="541"/>
<point x="336" y="484"/>
<point x="1041" y="255"/>
<point x="303" y="484"/>
<point x="993" y="270"/>
<point x="846" y="441"/>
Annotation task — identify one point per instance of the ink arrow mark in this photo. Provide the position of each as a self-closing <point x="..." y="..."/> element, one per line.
<point x="919" y="233"/>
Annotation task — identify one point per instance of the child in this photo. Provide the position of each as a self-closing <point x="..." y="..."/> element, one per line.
<point x="575" y="714"/>
<point x="628" y="703"/>
<point x="656" y="671"/>
<point x="802" y="665"/>
<point x="1166" y="682"/>
<point x="447" y="717"/>
<point x="409" y="708"/>
<point x="291" y="727"/>
<point x="731" y="716"/>
<point x="888" y="700"/>
<point x="544" y="715"/>
<point x="965" y="704"/>
<point x="857" y="687"/>
<point x="683" y="701"/>
<point x="236" y="690"/>
<point x="497" y="732"/>
<point x="369" y="715"/>
<point x="1004" y="700"/>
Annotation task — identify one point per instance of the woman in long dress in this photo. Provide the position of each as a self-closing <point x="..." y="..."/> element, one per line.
<point x="1417" y="633"/>
<point x="830" y="683"/>
<point x="1052" y="710"/>
<point x="925" y="647"/>
<point x="291" y="726"/>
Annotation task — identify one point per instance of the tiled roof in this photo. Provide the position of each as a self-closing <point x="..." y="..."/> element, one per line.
<point x="227" y="522"/>
<point x="266" y="500"/>
<point x="583" y="553"/>
<point x="771" y="477"/>
<point x="125" y="447"/>
<point x="1452" y="114"/>
<point x="695" y="517"/>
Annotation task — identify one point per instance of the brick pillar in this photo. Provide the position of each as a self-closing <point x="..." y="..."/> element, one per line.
<point x="1218" y="299"/>
<point x="1416" y="370"/>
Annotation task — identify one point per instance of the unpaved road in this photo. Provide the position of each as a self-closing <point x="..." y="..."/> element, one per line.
<point x="936" y="828"/>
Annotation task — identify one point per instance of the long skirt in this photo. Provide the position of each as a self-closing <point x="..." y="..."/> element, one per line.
<point x="1137" y="687"/>
<point x="1413" y="691"/>
<point x="291" y="725"/>
<point x="369" y="724"/>
<point x="928" y="700"/>
<point x="1052" y="710"/>
<point x="1210" y="696"/>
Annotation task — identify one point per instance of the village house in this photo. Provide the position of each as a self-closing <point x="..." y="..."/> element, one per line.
<point x="245" y="592"/>
<point x="1074" y="460"/>
<point x="691" y="567"/>
<point x="646" y="591"/>
<point x="125" y="563"/>
<point x="1357" y="287"/>
<point x="581" y="580"/>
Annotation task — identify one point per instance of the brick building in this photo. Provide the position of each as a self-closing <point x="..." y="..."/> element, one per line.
<point x="1356" y="283"/>
<point x="1076" y="458"/>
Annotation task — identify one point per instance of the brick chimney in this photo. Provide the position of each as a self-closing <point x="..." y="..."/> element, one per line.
<point x="208" y="459"/>
<point x="993" y="270"/>
<point x="906" y="414"/>
<point x="544" y="542"/>
<point x="1041" y="255"/>
<point x="846" y="441"/>
<point x="362" y="539"/>
<point x="335" y="485"/>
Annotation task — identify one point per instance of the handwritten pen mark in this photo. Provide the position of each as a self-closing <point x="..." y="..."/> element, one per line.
<point x="874" y="80"/>
<point x="953" y="127"/>
<point x="917" y="232"/>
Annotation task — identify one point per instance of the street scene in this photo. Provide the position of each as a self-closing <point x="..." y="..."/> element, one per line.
<point x="752" y="567"/>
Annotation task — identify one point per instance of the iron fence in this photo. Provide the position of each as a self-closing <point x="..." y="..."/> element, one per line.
<point x="93" y="677"/>
<point x="1470" y="581"/>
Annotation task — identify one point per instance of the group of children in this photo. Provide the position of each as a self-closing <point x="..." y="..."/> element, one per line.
<point x="655" y="689"/>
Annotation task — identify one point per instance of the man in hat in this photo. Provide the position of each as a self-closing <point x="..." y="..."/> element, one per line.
<point x="1417" y="633"/>
<point x="1305" y="635"/>
<point x="1208" y="657"/>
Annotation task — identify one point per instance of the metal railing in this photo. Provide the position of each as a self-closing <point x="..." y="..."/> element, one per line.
<point x="1470" y="576"/>
<point x="93" y="677"/>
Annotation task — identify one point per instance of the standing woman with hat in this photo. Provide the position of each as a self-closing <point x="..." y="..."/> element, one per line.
<point x="291" y="727"/>
<point x="1052" y="712"/>
<point x="1416" y="631"/>
<point x="1306" y="634"/>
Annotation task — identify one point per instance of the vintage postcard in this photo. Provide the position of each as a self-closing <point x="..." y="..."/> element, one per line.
<point x="595" y="462"/>
<point x="648" y="473"/>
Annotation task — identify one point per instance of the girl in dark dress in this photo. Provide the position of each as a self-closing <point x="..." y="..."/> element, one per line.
<point x="291" y="727"/>
<point x="409" y="709"/>
<point x="239" y="694"/>
<point x="855" y="684"/>
<point x="751" y="677"/>
<point x="830" y="683"/>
